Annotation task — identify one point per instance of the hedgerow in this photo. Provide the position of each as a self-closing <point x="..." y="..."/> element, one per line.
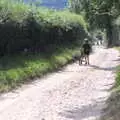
<point x="35" y="40"/>
<point x="37" y="29"/>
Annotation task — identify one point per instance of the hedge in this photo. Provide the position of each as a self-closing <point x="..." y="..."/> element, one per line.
<point x="37" y="29"/>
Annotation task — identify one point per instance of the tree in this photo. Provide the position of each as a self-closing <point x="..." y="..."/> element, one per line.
<point x="99" y="13"/>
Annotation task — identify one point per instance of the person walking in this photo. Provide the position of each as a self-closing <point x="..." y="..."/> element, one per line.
<point x="86" y="50"/>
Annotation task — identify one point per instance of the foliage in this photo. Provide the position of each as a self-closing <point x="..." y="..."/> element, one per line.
<point x="99" y="13"/>
<point x="117" y="21"/>
<point x="118" y="74"/>
<point x="24" y="26"/>
<point x="96" y="8"/>
<point x="22" y="68"/>
<point x="118" y="79"/>
<point x="43" y="38"/>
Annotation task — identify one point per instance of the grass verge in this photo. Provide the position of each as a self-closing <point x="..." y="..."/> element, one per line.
<point x="112" y="111"/>
<point x="15" y="70"/>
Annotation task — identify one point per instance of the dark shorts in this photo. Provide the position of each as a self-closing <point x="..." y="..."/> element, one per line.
<point x="86" y="52"/>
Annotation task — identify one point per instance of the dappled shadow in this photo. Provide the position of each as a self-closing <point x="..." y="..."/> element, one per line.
<point x="84" y="112"/>
<point x="19" y="60"/>
<point x="109" y="87"/>
<point x="103" y="68"/>
<point x="87" y="67"/>
<point x="117" y="59"/>
<point x="9" y="62"/>
<point x="112" y="110"/>
<point x="109" y="84"/>
<point x="106" y="89"/>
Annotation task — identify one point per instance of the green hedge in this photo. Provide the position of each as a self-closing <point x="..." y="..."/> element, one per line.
<point x="37" y="29"/>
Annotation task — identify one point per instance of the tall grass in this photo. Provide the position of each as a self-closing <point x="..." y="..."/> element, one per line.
<point x="15" y="70"/>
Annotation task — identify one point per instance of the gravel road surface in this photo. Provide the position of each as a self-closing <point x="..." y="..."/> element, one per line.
<point x="73" y="93"/>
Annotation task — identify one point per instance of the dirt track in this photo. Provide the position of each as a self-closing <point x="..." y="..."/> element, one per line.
<point x="74" y="93"/>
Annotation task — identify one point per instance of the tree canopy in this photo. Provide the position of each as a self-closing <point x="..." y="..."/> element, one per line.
<point x="98" y="13"/>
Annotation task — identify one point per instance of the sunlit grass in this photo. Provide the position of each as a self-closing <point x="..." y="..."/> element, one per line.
<point x="15" y="70"/>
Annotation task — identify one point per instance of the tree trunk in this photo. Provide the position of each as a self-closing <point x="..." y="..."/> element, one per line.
<point x="109" y="32"/>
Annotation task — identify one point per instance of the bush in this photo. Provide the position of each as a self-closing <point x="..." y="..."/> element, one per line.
<point x="37" y="29"/>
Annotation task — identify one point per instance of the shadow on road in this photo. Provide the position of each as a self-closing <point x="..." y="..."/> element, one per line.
<point x="95" y="67"/>
<point x="103" y="68"/>
<point x="117" y="59"/>
<point x="84" y="112"/>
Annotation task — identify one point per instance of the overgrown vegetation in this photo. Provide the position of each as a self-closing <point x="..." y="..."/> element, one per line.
<point x="117" y="85"/>
<point x="24" y="26"/>
<point x="18" y="69"/>
<point x="34" y="41"/>
<point x="99" y="14"/>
